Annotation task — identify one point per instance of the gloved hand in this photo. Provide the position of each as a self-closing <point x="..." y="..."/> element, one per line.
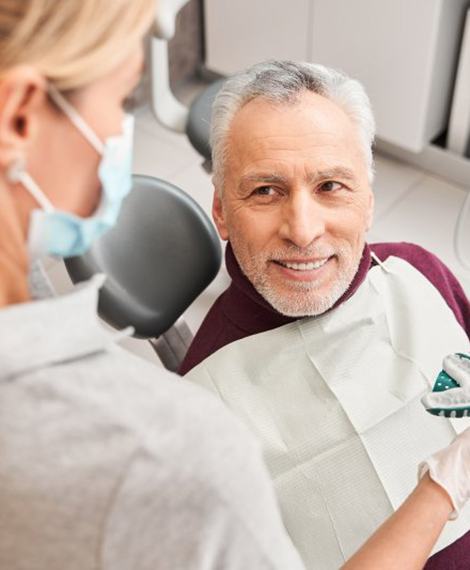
<point x="450" y="468"/>
<point x="451" y="393"/>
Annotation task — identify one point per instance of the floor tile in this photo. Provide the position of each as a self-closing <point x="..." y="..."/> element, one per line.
<point x="146" y="121"/>
<point x="427" y="216"/>
<point x="156" y="157"/>
<point x="393" y="179"/>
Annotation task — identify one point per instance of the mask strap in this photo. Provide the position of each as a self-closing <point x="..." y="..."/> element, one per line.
<point x="76" y="119"/>
<point x="17" y="173"/>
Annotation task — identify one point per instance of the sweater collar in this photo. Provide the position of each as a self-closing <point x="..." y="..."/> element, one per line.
<point x="249" y="311"/>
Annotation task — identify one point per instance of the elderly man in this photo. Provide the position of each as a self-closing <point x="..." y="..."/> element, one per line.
<point x="323" y="344"/>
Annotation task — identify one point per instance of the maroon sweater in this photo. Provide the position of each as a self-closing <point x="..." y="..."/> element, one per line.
<point x="241" y="311"/>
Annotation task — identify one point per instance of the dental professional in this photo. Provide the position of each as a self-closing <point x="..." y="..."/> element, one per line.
<point x="107" y="462"/>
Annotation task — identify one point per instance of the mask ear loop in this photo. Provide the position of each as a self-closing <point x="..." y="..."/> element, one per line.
<point x="76" y="119"/>
<point x="17" y="173"/>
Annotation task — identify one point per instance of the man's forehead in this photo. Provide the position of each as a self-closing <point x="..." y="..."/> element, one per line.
<point x="308" y="113"/>
<point x="263" y="131"/>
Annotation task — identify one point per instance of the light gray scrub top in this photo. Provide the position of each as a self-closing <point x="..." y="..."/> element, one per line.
<point x="108" y="462"/>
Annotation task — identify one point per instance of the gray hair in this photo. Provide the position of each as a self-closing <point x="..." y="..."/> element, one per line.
<point x="282" y="82"/>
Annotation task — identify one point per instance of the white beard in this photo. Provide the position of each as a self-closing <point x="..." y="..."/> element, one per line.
<point x="300" y="300"/>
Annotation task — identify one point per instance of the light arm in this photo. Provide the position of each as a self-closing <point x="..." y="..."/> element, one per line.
<point x="405" y="540"/>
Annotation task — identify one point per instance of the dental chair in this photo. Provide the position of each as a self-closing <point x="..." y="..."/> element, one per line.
<point x="171" y="113"/>
<point x="162" y="253"/>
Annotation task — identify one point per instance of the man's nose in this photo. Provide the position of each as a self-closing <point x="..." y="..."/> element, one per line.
<point x="303" y="220"/>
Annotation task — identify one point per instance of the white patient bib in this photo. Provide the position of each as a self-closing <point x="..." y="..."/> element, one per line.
<point x="335" y="401"/>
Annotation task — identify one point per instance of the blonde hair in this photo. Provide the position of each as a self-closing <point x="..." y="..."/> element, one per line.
<point x="71" y="42"/>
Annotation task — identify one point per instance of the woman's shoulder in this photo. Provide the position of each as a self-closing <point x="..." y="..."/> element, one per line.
<point x="114" y="392"/>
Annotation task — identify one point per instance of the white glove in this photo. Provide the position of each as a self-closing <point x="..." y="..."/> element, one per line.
<point x="450" y="468"/>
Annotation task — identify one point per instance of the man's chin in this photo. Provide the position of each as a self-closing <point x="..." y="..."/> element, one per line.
<point x="299" y="301"/>
<point x="302" y="298"/>
<point x="302" y="309"/>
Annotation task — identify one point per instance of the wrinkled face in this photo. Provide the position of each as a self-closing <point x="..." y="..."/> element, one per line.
<point x="296" y="202"/>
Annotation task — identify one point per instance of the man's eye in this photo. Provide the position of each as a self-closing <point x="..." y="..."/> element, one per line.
<point x="264" y="191"/>
<point x="330" y="186"/>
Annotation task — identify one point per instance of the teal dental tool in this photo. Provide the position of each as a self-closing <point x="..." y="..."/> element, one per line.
<point x="450" y="396"/>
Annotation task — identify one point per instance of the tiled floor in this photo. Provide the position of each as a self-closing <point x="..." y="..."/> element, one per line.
<point x="410" y="206"/>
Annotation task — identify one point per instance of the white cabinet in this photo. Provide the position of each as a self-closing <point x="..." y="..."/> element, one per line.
<point x="403" y="51"/>
<point x="242" y="32"/>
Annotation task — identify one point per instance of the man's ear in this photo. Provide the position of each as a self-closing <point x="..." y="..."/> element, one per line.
<point x="218" y="214"/>
<point x="370" y="211"/>
<point x="22" y="94"/>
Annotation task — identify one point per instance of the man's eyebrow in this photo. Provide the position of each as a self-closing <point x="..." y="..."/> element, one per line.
<point x="331" y="173"/>
<point x="267" y="178"/>
<point x="341" y="172"/>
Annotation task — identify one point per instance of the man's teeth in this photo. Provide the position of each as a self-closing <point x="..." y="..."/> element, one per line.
<point x="304" y="266"/>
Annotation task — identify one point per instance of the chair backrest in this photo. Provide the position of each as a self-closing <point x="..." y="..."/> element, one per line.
<point x="198" y="124"/>
<point x="163" y="252"/>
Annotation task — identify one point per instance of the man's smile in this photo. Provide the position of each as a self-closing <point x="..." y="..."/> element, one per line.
<point x="302" y="264"/>
<point x="303" y="270"/>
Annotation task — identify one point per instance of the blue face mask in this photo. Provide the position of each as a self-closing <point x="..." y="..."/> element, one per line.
<point x="61" y="234"/>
